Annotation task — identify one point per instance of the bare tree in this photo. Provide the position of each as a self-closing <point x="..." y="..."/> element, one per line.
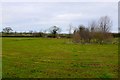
<point x="93" y="28"/>
<point x="70" y="29"/>
<point x="45" y="34"/>
<point x="99" y="31"/>
<point x="105" y="24"/>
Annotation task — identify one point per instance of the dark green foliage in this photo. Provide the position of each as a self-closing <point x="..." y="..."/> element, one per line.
<point x="54" y="31"/>
<point x="7" y="30"/>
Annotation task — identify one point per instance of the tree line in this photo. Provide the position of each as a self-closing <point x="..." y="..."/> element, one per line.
<point x="98" y="31"/>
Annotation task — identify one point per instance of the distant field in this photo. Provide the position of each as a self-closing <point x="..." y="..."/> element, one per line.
<point x="57" y="58"/>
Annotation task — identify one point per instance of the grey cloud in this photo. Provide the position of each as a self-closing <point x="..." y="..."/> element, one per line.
<point x="38" y="16"/>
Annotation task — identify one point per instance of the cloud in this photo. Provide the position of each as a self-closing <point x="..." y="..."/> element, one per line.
<point x="68" y="16"/>
<point x="36" y="16"/>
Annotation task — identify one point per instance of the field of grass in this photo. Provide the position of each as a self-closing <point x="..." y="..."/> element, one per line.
<point x="57" y="58"/>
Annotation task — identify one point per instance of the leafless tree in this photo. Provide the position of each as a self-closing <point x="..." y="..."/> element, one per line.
<point x="45" y="34"/>
<point x="101" y="30"/>
<point x="70" y="29"/>
<point x="105" y="24"/>
<point x="93" y="28"/>
<point x="97" y="30"/>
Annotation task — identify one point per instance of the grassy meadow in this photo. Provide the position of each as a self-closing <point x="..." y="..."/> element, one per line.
<point x="57" y="58"/>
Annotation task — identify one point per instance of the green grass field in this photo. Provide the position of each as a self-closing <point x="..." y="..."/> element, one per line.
<point x="57" y="58"/>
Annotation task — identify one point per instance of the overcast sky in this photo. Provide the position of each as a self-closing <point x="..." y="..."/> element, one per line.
<point x="39" y="16"/>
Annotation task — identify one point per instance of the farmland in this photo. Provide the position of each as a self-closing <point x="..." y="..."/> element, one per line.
<point x="57" y="58"/>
